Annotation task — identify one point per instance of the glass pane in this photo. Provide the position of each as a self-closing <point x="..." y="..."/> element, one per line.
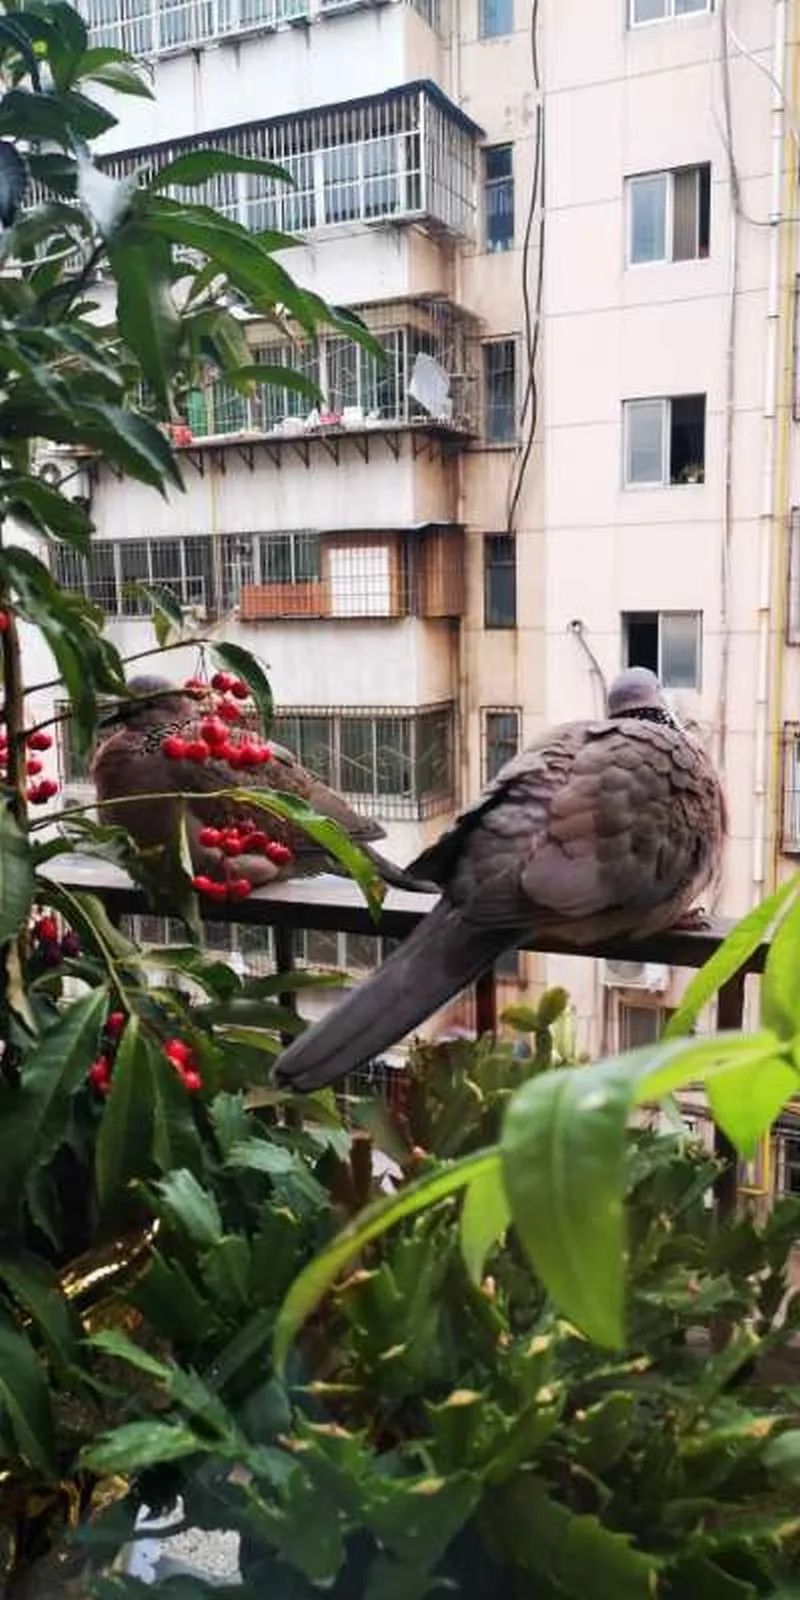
<point x="502" y="741"/>
<point x="644" y="427"/>
<point x="687" y="453"/>
<point x="499" y="197"/>
<point x="315" y="746"/>
<point x="683" y="7"/>
<point x="500" y="581"/>
<point x="649" y="10"/>
<point x="791" y="819"/>
<point x="638" y="1025"/>
<point x="496" y="17"/>
<point x="134" y="568"/>
<point x="341" y="186"/>
<point x="102" y="579"/>
<point x="306" y="557"/>
<point x="434" y="754"/>
<point x="641" y="640"/>
<point x="500" y="391"/>
<point x="357" y="774"/>
<point x="680" y="665"/>
<point x="648" y="218"/>
<point x="165" y="555"/>
<point x="276" y="558"/>
<point x="685" y="214"/>
<point x="381" y="193"/>
<point x="393" y="763"/>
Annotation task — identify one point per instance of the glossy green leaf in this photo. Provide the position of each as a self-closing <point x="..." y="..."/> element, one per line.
<point x="246" y="260"/>
<point x="781" y="1457"/>
<point x="26" y="1400"/>
<point x="122" y="1150"/>
<point x="234" y="658"/>
<point x="194" y="1207"/>
<point x="137" y="1445"/>
<point x="577" y="1554"/>
<point x="485" y="1215"/>
<point x="34" y="1121"/>
<point x="735" y="950"/>
<point x="780" y="985"/>
<point x="326" y="833"/>
<point x="261" y="1155"/>
<point x="197" y="166"/>
<point x="50" y="512"/>
<point x="377" y="1219"/>
<point x="147" y="316"/>
<point x="126" y="77"/>
<point x="248" y="377"/>
<point x="167" y="610"/>
<point x="113" y="1342"/>
<point x="36" y="1288"/>
<point x="136" y="444"/>
<point x="16" y="875"/>
<point x="746" y="1099"/>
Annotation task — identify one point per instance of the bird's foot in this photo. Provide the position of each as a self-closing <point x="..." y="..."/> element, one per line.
<point x="695" y="920"/>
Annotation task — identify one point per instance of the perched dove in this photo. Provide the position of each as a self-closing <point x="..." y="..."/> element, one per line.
<point x="600" y="830"/>
<point x="131" y="761"/>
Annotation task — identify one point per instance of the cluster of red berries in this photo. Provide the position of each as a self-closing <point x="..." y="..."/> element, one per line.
<point x="243" y="838"/>
<point x="217" y="740"/>
<point x="52" y="947"/>
<point x="102" y="1068"/>
<point x="39" y="793"/>
<point x="182" y="1057"/>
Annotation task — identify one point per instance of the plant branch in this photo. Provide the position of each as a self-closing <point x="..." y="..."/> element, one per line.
<point x="155" y="650"/>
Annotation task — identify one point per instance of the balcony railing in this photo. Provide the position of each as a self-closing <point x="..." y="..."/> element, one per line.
<point x="298" y="574"/>
<point x="165" y="27"/>
<point x="407" y="155"/>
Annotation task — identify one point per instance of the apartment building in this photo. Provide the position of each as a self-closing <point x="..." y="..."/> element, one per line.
<point x="573" y="227"/>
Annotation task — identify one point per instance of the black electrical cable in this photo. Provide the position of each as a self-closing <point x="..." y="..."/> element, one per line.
<point x="532" y="314"/>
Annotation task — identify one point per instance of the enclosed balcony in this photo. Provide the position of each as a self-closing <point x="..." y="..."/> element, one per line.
<point x="405" y="156"/>
<point x="165" y="27"/>
<point x="298" y="574"/>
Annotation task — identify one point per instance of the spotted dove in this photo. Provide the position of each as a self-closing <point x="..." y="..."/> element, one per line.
<point x="131" y="761"/>
<point x="600" y="830"/>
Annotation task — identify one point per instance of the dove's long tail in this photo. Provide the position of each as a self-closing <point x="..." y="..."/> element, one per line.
<point x="441" y="956"/>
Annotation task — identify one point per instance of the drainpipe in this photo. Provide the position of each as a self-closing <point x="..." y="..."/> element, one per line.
<point x="769" y="511"/>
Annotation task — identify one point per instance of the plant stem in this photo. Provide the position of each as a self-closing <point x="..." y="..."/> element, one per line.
<point x="14" y="713"/>
<point x="155" y="650"/>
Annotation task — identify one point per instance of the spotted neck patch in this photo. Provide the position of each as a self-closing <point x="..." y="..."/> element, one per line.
<point x="658" y="714"/>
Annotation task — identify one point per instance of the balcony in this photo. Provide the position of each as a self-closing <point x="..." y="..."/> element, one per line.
<point x="296" y="575"/>
<point x="325" y="921"/>
<point x="405" y="156"/>
<point x="167" y="27"/>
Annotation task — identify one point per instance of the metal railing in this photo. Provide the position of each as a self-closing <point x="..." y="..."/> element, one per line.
<point x="166" y="27"/>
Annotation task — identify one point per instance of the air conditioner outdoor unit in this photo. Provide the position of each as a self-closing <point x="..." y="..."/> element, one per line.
<point x="647" y="975"/>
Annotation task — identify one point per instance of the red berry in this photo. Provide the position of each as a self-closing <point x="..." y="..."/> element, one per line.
<point x="239" y="888"/>
<point x="221" y="681"/>
<point x="214" y="731"/>
<point x="201" y="883"/>
<point x="264" y="753"/>
<point x="209" y="837"/>
<point x="230" y="711"/>
<point x="233" y="846"/>
<point x="217" y="891"/>
<point x="70" y="945"/>
<point x="40" y="740"/>
<point x="278" y="853"/>
<point x="115" y="1023"/>
<point x="48" y="787"/>
<point x="257" y="843"/>
<point x="100" y="1072"/>
<point x="195" y="686"/>
<point x="178" y="1052"/>
<point x="33" y="767"/>
<point x="248" y="755"/>
<point x="51" y="955"/>
<point x="240" y="689"/>
<point x="192" y="1081"/>
<point x="5" y="622"/>
<point x="46" y="929"/>
<point x="174" y="747"/>
<point x="197" y="750"/>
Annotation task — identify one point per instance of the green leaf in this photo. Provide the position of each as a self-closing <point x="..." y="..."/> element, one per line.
<point x="563" y="1146"/>
<point x="200" y="165"/>
<point x="36" y="1288"/>
<point x="16" y="876"/>
<point x="113" y="1342"/>
<point x="260" y="1155"/>
<point x="246" y="259"/>
<point x="34" y="501"/>
<point x="124" y="76"/>
<point x="780" y="985"/>
<point x="146" y="313"/>
<point x="327" y="834"/>
<point x="782" y="1457"/>
<point x="377" y="1219"/>
<point x="122" y="1150"/>
<point x="735" y="950"/>
<point x="136" y="444"/>
<point x="485" y="1215"/>
<point x="240" y="661"/>
<point x="175" y="1138"/>
<point x="137" y="1445"/>
<point x="34" y="1122"/>
<point x="193" y="1207"/>
<point x="167" y="610"/>
<point x="25" y="1397"/>
<point x="245" y="379"/>
<point x="577" y="1554"/>
<point x="746" y="1100"/>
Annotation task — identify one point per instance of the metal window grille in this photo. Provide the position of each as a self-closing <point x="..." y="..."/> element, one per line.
<point x="153" y="27"/>
<point x="499" y="580"/>
<point x="500" y="390"/>
<point x="793" y="580"/>
<point x="394" y="763"/>
<point x="113" y="571"/>
<point x="498" y="197"/>
<point x="74" y="764"/>
<point x="501" y="739"/>
<point x="791" y="789"/>
<point x="404" y="155"/>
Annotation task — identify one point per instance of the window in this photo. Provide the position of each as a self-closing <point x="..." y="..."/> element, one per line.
<point x="289" y="557"/>
<point x="787" y="1151"/>
<point x="665" y="441"/>
<point x="499" y="580"/>
<point x="662" y="10"/>
<point x="495" y="17"/>
<point x="498" y="197"/>
<point x="640" y="1025"/>
<point x="668" y="642"/>
<point x="111" y="573"/>
<point x="501" y="730"/>
<point x="791" y="789"/>
<point x="500" y="391"/>
<point x="793" y="580"/>
<point x="400" y="763"/>
<point x="669" y="215"/>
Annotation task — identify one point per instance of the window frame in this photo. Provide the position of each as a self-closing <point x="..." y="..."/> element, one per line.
<point x="661" y="616"/>
<point x="670" y="14"/>
<point x="416" y="722"/>
<point x="505" y="441"/>
<point x="492" y="540"/>
<point x="488" y="184"/>
<point x="669" y="174"/>
<point x="500" y="33"/>
<point x="487" y="774"/>
<point x="666" y="402"/>
<point x="790" y="754"/>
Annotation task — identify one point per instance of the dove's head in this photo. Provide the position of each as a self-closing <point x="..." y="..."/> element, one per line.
<point x="637" y="693"/>
<point x="151" y="701"/>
